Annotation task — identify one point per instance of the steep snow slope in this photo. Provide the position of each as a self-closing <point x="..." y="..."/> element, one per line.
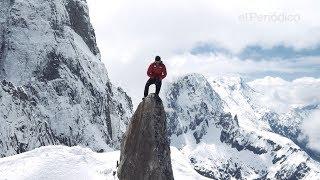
<point x="190" y="104"/>
<point x="291" y="104"/>
<point x="77" y="163"/>
<point x="219" y="146"/>
<point x="54" y="89"/>
<point x="290" y="125"/>
<point x="241" y="100"/>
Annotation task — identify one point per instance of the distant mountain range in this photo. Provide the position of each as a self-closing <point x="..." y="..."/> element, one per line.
<point x="226" y="133"/>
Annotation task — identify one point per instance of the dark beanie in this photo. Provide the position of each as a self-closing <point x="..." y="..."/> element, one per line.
<point x="158" y="58"/>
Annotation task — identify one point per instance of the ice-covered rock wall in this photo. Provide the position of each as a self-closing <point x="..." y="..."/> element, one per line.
<point x="54" y="88"/>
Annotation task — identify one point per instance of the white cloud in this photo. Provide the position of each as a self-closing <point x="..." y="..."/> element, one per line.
<point x="220" y="64"/>
<point x="167" y="26"/>
<point x="311" y="127"/>
<point x="281" y="95"/>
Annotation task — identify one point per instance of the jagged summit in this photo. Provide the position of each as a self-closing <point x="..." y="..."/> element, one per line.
<point x="145" y="148"/>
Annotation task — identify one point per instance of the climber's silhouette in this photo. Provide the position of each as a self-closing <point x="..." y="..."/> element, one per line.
<point x="156" y="71"/>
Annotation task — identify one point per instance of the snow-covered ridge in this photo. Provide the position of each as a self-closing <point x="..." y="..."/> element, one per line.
<point x="291" y="125"/>
<point x="191" y="93"/>
<point x="293" y="109"/>
<point x="232" y="145"/>
<point x="241" y="100"/>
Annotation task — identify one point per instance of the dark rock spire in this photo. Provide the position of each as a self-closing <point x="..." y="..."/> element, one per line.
<point x="145" y="149"/>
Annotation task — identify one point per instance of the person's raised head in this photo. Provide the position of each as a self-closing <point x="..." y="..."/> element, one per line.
<point x="158" y="59"/>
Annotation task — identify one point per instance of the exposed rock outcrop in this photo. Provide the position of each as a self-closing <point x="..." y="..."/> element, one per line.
<point x="145" y="149"/>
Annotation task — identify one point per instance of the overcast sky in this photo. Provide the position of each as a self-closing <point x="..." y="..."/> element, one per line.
<point x="250" y="38"/>
<point x="254" y="39"/>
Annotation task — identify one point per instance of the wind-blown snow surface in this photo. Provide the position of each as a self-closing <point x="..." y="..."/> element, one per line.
<point x="54" y="89"/>
<point x="77" y="163"/>
<point x="223" y="145"/>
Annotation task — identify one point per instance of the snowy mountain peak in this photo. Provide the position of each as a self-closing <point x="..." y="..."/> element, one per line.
<point x="223" y="145"/>
<point x="190" y="103"/>
<point x="234" y="83"/>
<point x="192" y="88"/>
<point x="240" y="99"/>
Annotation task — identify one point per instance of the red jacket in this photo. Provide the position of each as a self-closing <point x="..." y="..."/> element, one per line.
<point x="157" y="70"/>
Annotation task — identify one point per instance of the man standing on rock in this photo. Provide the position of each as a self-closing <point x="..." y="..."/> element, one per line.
<point x="156" y="71"/>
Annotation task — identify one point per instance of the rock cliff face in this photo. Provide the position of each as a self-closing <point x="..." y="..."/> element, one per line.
<point x="145" y="149"/>
<point x="53" y="87"/>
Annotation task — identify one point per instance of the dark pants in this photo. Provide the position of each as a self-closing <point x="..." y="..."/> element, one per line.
<point x="156" y="81"/>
